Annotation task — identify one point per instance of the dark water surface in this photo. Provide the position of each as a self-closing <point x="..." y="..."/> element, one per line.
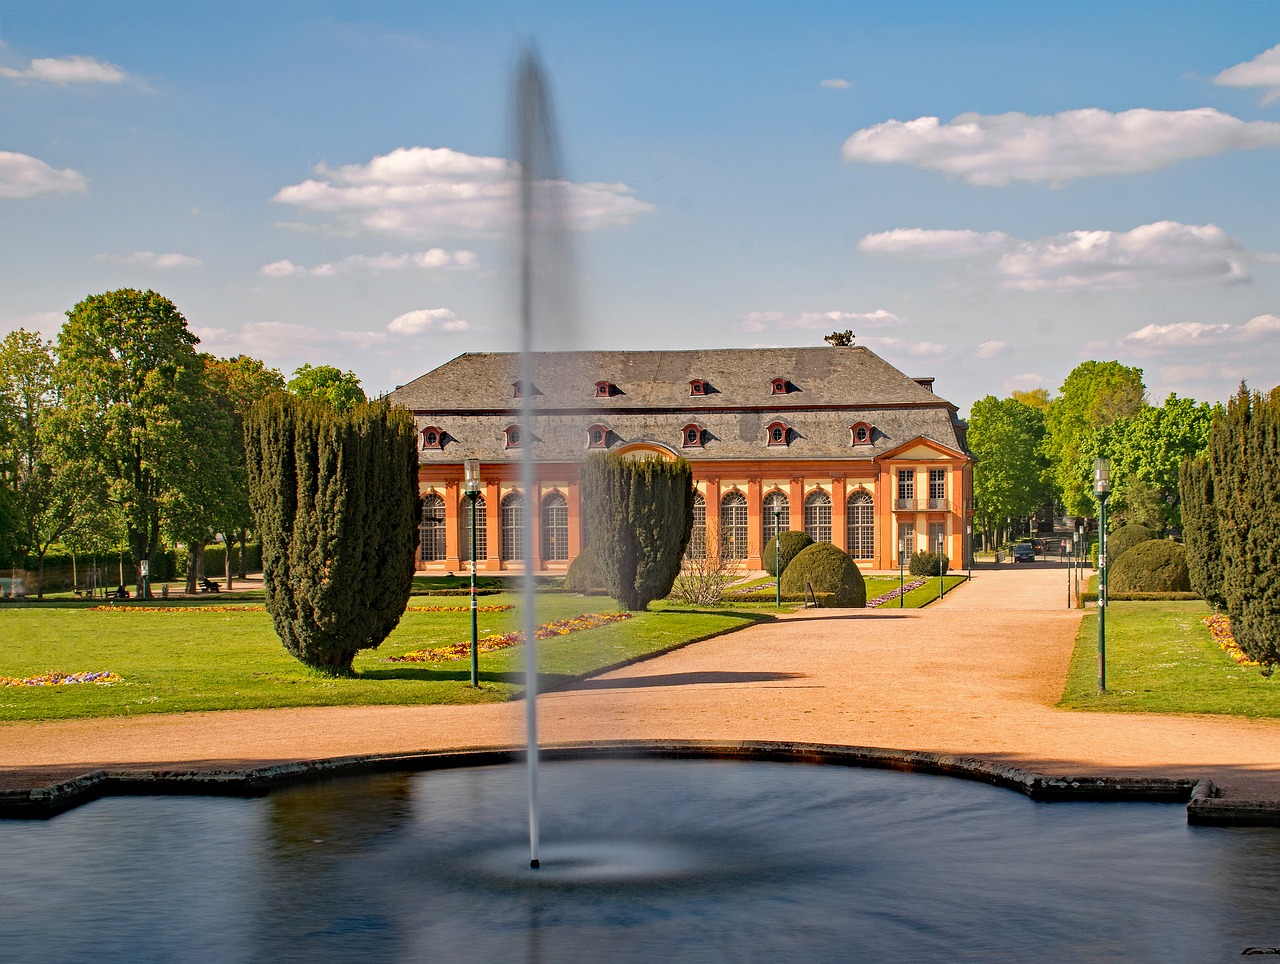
<point x="642" y="861"/>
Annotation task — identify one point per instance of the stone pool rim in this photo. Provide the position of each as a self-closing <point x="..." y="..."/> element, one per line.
<point x="1204" y="805"/>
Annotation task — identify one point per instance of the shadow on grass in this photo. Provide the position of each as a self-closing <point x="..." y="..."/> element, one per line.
<point x="685" y="679"/>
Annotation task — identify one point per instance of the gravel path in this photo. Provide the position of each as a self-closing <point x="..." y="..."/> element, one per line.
<point x="976" y="675"/>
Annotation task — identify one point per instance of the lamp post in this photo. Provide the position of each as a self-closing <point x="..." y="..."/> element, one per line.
<point x="777" y="554"/>
<point x="902" y="581"/>
<point x="1102" y="489"/>
<point x="941" y="569"/>
<point x="471" y="486"/>
<point x="1071" y="559"/>
<point x="968" y="538"/>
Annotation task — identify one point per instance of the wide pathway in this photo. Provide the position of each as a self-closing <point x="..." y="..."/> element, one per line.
<point x="975" y="675"/>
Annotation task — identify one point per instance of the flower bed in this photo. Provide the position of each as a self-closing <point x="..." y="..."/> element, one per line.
<point x="489" y="644"/>
<point x="895" y="593"/>
<point x="177" y="609"/>
<point x="1220" y="629"/>
<point x="62" y="679"/>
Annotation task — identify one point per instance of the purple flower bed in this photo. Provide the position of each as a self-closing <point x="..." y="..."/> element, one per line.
<point x="895" y="593"/>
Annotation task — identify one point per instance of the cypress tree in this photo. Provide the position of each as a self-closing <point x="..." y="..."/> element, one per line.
<point x="1200" y="530"/>
<point x="1245" y="458"/>
<point x="334" y="497"/>
<point x="640" y="515"/>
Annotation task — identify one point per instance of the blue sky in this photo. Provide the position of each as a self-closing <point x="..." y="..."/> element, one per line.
<point x="988" y="193"/>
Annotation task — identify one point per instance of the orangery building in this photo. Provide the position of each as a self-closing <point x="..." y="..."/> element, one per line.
<point x="832" y="441"/>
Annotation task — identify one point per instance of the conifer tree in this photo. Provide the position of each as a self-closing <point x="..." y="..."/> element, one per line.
<point x="334" y="497"/>
<point x="640" y="515"/>
<point x="1200" y="530"/>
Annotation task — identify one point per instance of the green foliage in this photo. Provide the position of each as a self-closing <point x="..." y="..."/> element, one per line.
<point x="328" y="385"/>
<point x="792" y="544"/>
<point x="130" y="414"/>
<point x="1156" y="565"/>
<point x="334" y="496"/>
<point x="924" y="563"/>
<point x="1093" y="395"/>
<point x="1124" y="539"/>
<point x="827" y="570"/>
<point x="1200" y="531"/>
<point x="1011" y="477"/>
<point x="839" y="339"/>
<point x="640" y="515"/>
<point x="585" y="573"/>
<point x="1244" y="455"/>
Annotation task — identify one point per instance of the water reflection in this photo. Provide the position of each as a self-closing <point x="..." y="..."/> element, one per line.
<point x="654" y="860"/>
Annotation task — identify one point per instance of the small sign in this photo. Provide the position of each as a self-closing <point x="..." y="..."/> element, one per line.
<point x="144" y="568"/>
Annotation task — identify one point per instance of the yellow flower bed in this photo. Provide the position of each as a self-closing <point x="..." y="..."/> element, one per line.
<point x="489" y="644"/>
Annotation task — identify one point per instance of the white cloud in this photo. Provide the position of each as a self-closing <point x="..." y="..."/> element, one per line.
<point x="65" y="71"/>
<point x="995" y="149"/>
<point x="1163" y="253"/>
<point x="991" y="349"/>
<point x="916" y="349"/>
<point x="277" y="342"/>
<point x="1192" y="334"/>
<point x="1023" y="382"/>
<point x="1262" y="71"/>
<point x="23" y="176"/>
<point x="932" y="245"/>
<point x="836" y="83"/>
<point x="427" y="319"/>
<point x="819" y="320"/>
<point x="432" y="258"/>
<point x="420" y="191"/>
<point x="153" y="260"/>
<point x="47" y="323"/>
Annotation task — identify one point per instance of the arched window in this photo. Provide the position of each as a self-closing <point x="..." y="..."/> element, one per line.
<point x="555" y="528"/>
<point x="432" y="438"/>
<point x="698" y="534"/>
<point x="597" y="437"/>
<point x="733" y="526"/>
<point x="512" y="524"/>
<point x="692" y="436"/>
<point x="817" y="516"/>
<point x="431" y="529"/>
<point x="513" y="436"/>
<point x="776" y="505"/>
<point x="778" y="433"/>
<point x="482" y="531"/>
<point x="861" y="525"/>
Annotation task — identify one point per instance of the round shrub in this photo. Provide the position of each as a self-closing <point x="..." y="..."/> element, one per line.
<point x="1124" y="539"/>
<point x="585" y="574"/>
<point x="1157" y="565"/>
<point x="792" y="544"/>
<point x="826" y="569"/>
<point x="928" y="564"/>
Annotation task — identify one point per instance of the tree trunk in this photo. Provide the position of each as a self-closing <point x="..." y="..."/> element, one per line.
<point x="227" y="561"/>
<point x="243" y="556"/>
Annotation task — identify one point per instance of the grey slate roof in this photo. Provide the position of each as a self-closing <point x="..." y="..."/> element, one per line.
<point x="471" y="399"/>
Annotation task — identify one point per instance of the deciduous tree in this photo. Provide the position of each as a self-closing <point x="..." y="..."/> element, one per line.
<point x="1010" y="478"/>
<point x="324" y="383"/>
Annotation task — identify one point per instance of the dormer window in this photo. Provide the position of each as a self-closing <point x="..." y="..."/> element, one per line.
<point x="597" y="437"/>
<point x="518" y="390"/>
<point x="861" y="433"/>
<point x="778" y="433"/>
<point x="693" y="436"/>
<point x="781" y="386"/>
<point x="432" y="438"/>
<point x="606" y="389"/>
<point x="698" y="387"/>
<point x="514" y="436"/>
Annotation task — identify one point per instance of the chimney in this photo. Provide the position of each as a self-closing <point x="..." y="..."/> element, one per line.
<point x="926" y="382"/>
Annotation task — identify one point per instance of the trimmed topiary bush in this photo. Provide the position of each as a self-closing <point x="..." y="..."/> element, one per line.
<point x="1157" y="565"/>
<point x="792" y="544"/>
<point x="827" y="570"/>
<point x="928" y="563"/>
<point x="1124" y="539"/>
<point x="585" y="574"/>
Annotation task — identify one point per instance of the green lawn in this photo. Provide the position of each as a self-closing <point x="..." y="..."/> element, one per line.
<point x="207" y="657"/>
<point x="1160" y="659"/>
<point x="916" y="598"/>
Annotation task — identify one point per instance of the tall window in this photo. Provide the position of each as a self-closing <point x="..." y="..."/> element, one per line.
<point x="817" y="516"/>
<point x="906" y="542"/>
<point x="906" y="488"/>
<point x="555" y="528"/>
<point x="431" y="529"/>
<point x="482" y="531"/>
<point x="861" y="525"/>
<point x="775" y="504"/>
<point x="937" y="488"/>
<point x="698" y="535"/>
<point x="733" y="525"/>
<point x="512" y="522"/>
<point x="937" y="533"/>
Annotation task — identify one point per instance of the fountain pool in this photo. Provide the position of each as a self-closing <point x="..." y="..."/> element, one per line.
<point x="670" y="860"/>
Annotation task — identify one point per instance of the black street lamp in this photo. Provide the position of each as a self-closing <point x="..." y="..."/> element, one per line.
<point x="1102" y="489"/>
<point x="902" y="581"/>
<point x="941" y="544"/>
<point x="471" y="486"/>
<point x="777" y="553"/>
<point x="968" y="529"/>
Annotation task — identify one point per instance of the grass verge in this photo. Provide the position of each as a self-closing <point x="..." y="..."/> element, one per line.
<point x="1161" y="659"/>
<point x="178" y="658"/>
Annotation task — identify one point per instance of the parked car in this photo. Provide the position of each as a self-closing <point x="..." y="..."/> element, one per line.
<point x="1024" y="552"/>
